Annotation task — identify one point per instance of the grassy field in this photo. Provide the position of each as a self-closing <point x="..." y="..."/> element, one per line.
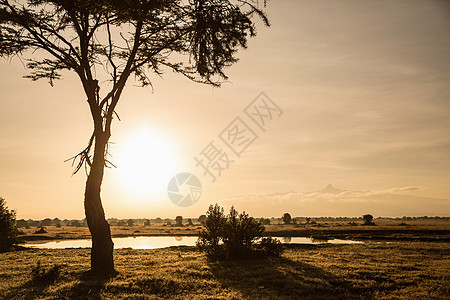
<point x="386" y="229"/>
<point x="415" y="270"/>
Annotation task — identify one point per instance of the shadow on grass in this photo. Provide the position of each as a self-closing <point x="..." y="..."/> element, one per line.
<point x="275" y="278"/>
<point x="85" y="286"/>
<point x="89" y="286"/>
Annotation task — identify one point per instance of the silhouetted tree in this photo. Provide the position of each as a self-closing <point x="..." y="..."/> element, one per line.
<point x="287" y="218"/>
<point x="21" y="223"/>
<point x="368" y="219"/>
<point x="123" y="38"/>
<point x="147" y="222"/>
<point x="41" y="230"/>
<point x="75" y="223"/>
<point x="121" y="223"/>
<point x="190" y="222"/>
<point x="209" y="238"/>
<point x="8" y="229"/>
<point x="265" y="221"/>
<point x="237" y="232"/>
<point x="46" y="222"/>
<point x="202" y="219"/>
<point x="179" y="221"/>
<point x="34" y="223"/>
<point x="240" y="232"/>
<point x="130" y="222"/>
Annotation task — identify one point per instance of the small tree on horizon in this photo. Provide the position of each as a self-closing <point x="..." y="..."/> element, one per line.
<point x="202" y="219"/>
<point x="287" y="218"/>
<point x="368" y="219"/>
<point x="106" y="42"/>
<point x="179" y="221"/>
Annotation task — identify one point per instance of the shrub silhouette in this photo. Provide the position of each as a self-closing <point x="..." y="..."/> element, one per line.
<point x="214" y="223"/>
<point x="287" y="218"/>
<point x="202" y="219"/>
<point x="240" y="232"/>
<point x="46" y="222"/>
<point x="265" y="221"/>
<point x="271" y="246"/>
<point x="368" y="219"/>
<point x="8" y="229"/>
<point x="40" y="230"/>
<point x="234" y="235"/>
<point x="75" y="223"/>
<point x="179" y="221"/>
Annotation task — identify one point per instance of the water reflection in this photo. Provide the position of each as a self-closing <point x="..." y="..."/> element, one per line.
<point x="286" y="239"/>
<point x="154" y="242"/>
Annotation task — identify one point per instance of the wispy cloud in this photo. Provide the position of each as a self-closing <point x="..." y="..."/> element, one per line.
<point x="407" y="188"/>
<point x="336" y="202"/>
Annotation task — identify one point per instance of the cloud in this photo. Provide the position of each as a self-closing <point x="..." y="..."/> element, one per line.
<point x="407" y="188"/>
<point x="336" y="202"/>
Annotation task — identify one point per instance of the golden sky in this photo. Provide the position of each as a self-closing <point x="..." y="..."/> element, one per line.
<point x="365" y="94"/>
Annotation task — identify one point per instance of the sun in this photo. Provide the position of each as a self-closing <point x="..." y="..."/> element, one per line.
<point x="145" y="161"/>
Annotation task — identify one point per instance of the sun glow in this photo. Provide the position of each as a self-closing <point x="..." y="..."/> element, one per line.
<point x="145" y="163"/>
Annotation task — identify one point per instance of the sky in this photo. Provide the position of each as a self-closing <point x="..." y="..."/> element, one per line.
<point x="363" y="94"/>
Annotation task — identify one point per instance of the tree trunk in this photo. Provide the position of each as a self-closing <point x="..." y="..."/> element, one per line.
<point x="102" y="262"/>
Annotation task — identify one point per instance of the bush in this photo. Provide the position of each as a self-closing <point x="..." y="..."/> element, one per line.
<point x="202" y="219"/>
<point x="42" y="275"/>
<point x="232" y="236"/>
<point x="240" y="232"/>
<point x="214" y="223"/>
<point x="179" y="221"/>
<point x="41" y="230"/>
<point x="265" y="221"/>
<point x="271" y="246"/>
<point x="8" y="229"/>
<point x="286" y="218"/>
<point x="368" y="220"/>
<point x="75" y="223"/>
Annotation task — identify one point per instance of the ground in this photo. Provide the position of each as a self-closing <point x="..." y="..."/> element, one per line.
<point x="415" y="270"/>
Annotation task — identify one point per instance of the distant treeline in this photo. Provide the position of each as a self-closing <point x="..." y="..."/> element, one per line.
<point x="179" y="220"/>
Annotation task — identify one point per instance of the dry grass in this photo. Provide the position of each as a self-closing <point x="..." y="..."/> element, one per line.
<point x="374" y="270"/>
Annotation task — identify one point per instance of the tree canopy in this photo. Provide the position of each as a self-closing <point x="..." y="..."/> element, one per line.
<point x="108" y="41"/>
